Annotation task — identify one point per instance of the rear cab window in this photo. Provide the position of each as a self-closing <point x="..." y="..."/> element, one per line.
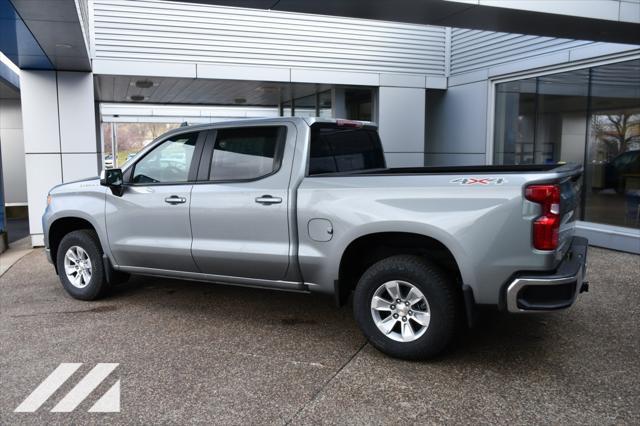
<point x="340" y="149"/>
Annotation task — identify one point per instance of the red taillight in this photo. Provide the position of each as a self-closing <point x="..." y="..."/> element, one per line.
<point x="547" y="226"/>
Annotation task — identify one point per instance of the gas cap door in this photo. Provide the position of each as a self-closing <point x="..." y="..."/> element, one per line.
<point x="320" y="229"/>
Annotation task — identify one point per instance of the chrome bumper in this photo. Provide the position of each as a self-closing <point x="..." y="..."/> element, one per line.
<point x="559" y="290"/>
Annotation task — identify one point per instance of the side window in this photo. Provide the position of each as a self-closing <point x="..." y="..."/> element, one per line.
<point x="168" y="162"/>
<point x="246" y="152"/>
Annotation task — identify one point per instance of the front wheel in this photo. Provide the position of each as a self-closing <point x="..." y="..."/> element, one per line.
<point x="80" y="267"/>
<point x="406" y="306"/>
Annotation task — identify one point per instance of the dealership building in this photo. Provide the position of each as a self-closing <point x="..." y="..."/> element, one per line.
<point x="449" y="82"/>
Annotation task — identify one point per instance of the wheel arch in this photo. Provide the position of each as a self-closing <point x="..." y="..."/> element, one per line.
<point x="367" y="249"/>
<point x="64" y="225"/>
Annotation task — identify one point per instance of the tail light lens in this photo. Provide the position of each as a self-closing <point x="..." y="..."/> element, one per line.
<point x="546" y="227"/>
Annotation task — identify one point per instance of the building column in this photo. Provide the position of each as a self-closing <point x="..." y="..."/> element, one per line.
<point x="402" y="121"/>
<point x="58" y="118"/>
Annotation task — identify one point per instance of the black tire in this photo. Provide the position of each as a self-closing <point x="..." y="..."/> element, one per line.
<point x="89" y="242"/>
<point x="436" y="287"/>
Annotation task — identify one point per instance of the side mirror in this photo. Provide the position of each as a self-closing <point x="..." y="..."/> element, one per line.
<point x="113" y="179"/>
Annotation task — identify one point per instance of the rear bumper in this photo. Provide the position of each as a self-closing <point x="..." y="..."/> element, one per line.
<point x="533" y="292"/>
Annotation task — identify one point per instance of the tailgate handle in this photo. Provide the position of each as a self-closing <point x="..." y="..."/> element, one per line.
<point x="268" y="199"/>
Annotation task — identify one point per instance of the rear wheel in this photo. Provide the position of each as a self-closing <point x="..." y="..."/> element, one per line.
<point x="406" y="307"/>
<point x="80" y="268"/>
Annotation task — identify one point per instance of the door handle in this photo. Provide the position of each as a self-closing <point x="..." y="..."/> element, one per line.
<point x="268" y="199"/>
<point x="174" y="199"/>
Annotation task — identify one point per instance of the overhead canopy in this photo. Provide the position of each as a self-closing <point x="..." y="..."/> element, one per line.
<point x="45" y="34"/>
<point x="616" y="21"/>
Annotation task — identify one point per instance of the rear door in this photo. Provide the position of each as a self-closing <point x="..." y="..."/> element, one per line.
<point x="240" y="204"/>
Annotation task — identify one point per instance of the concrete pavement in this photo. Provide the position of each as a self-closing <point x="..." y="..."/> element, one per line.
<point x="194" y="353"/>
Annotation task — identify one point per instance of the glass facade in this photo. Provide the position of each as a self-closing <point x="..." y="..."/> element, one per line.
<point x="589" y="116"/>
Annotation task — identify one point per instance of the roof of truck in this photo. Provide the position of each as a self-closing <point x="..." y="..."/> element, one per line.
<point x="256" y="121"/>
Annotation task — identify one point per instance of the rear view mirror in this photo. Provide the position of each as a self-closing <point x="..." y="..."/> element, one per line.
<point x="113" y="179"/>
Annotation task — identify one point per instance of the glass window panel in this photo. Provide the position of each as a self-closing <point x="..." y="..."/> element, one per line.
<point x="613" y="154"/>
<point x="324" y="104"/>
<point x="305" y="106"/>
<point x="244" y="153"/>
<point x="515" y="122"/>
<point x="556" y="118"/>
<point x="358" y="103"/>
<point x="561" y="117"/>
<point x="168" y="162"/>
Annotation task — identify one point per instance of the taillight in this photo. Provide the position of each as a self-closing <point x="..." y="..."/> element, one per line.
<point x="547" y="226"/>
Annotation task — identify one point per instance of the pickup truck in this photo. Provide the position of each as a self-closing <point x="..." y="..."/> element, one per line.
<point x="309" y="205"/>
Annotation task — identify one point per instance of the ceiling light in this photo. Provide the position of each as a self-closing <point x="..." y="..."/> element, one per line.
<point x="64" y="45"/>
<point x="137" y="98"/>
<point x="267" y="89"/>
<point x="240" y="100"/>
<point x="144" y="84"/>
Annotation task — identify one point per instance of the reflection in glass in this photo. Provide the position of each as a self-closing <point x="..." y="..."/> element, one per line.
<point x="129" y="138"/>
<point x="556" y="118"/>
<point x="324" y="104"/>
<point x="613" y="155"/>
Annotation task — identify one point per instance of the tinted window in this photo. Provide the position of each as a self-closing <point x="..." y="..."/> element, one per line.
<point x="335" y="149"/>
<point x="245" y="153"/>
<point x="168" y="162"/>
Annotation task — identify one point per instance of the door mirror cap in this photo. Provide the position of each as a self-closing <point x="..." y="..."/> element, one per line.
<point x="113" y="179"/>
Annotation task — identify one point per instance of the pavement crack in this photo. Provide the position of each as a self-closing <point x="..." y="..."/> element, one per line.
<point x="324" y="386"/>
<point x="80" y="311"/>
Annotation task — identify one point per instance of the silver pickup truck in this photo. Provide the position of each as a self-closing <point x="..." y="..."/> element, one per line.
<point x="309" y="205"/>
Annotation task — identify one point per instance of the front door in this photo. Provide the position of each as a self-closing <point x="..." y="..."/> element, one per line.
<point x="148" y="226"/>
<point x="239" y="207"/>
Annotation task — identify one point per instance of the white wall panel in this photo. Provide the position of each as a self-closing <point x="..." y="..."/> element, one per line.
<point x="49" y="98"/>
<point x="39" y="94"/>
<point x="77" y="112"/>
<point x="402" y="119"/>
<point x="404" y="159"/>
<point x="43" y="172"/>
<point x="79" y="166"/>
<point x="200" y="33"/>
<point x="457" y="120"/>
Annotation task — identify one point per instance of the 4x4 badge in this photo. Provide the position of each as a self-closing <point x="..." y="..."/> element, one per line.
<point x="479" y="181"/>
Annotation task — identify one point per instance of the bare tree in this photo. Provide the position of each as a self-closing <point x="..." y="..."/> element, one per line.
<point x="618" y="131"/>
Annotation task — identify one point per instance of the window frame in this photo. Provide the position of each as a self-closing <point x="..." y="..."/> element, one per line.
<point x="195" y="160"/>
<point x="206" y="159"/>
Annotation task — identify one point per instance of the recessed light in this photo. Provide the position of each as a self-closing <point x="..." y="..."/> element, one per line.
<point x="64" y="45"/>
<point x="144" y="84"/>
<point x="137" y="98"/>
<point x="240" y="100"/>
<point x="267" y="89"/>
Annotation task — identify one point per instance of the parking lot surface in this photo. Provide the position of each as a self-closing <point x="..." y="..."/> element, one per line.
<point x="199" y="353"/>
